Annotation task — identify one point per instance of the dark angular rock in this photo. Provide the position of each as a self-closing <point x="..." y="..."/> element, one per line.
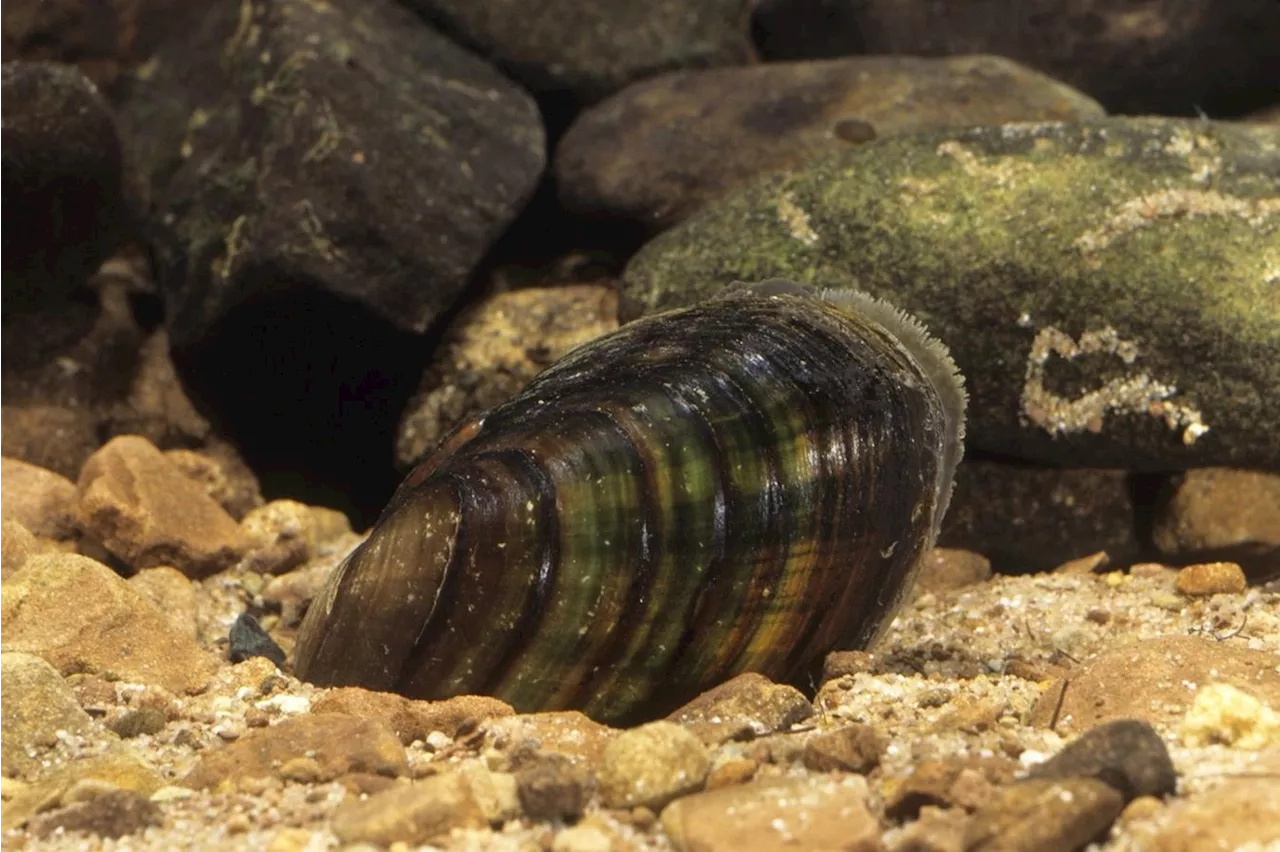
<point x="63" y="179"/>
<point x="591" y="49"/>
<point x="248" y="639"/>
<point x="1127" y="754"/>
<point x="342" y="147"/>
<point x="1172" y="57"/>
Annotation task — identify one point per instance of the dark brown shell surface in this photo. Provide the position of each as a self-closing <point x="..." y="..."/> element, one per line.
<point x="744" y="485"/>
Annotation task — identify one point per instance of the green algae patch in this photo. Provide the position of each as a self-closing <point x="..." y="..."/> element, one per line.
<point x="1111" y="290"/>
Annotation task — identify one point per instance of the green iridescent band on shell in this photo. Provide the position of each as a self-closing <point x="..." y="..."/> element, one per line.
<point x="744" y="485"/>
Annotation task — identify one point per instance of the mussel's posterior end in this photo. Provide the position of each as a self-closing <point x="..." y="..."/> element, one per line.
<point x="935" y="362"/>
<point x="929" y="352"/>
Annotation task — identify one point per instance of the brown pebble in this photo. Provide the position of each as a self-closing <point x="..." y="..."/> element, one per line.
<point x="113" y="813"/>
<point x="410" y="719"/>
<point x="338" y="743"/>
<point x="749" y="705"/>
<point x="1044" y="816"/>
<point x="417" y="813"/>
<point x="365" y="783"/>
<point x="304" y="770"/>
<point x="933" y="783"/>
<point x="853" y="748"/>
<point x="946" y="568"/>
<point x="552" y="788"/>
<point x="1127" y="754"/>
<point x="1141" y="808"/>
<point x="735" y="770"/>
<point x="1211" y="578"/>
<point x="841" y="663"/>
<point x="145" y="720"/>
<point x="821" y="812"/>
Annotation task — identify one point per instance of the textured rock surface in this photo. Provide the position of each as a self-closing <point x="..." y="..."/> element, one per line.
<point x="1154" y="680"/>
<point x="337" y="743"/>
<point x="146" y="512"/>
<point x="659" y="150"/>
<point x="590" y="50"/>
<point x="39" y="499"/>
<point x="1165" y="56"/>
<point x="1073" y="270"/>
<point x="493" y="350"/>
<point x="803" y="813"/>
<point x="81" y="617"/>
<point x="1220" y="513"/>
<point x="362" y="156"/>
<point x="38" y="704"/>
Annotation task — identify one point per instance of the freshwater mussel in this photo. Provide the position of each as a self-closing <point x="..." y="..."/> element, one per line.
<point x="743" y="485"/>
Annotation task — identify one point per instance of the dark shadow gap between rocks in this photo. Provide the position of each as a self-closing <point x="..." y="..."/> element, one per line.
<point x="310" y="387"/>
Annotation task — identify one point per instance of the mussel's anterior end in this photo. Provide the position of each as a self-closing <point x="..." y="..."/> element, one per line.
<point x="360" y="630"/>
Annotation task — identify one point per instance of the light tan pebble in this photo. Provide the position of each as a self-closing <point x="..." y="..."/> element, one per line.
<point x="651" y="765"/>
<point x="1152" y="571"/>
<point x="237" y="824"/>
<point x="338" y="743"/>
<point x="17" y="545"/>
<point x="111" y="628"/>
<point x="582" y="838"/>
<point x="562" y="732"/>
<point x="1141" y="809"/>
<point x="12" y="787"/>
<point x="818" y="812"/>
<point x="290" y="840"/>
<point x="495" y="792"/>
<point x="852" y="748"/>
<point x="38" y="705"/>
<point x="421" y="812"/>
<point x="304" y="770"/>
<point x="1085" y="564"/>
<point x="1211" y="578"/>
<point x="734" y="770"/>
<point x="1221" y="713"/>
<point x="172" y="794"/>
<point x="1168" y="601"/>
<point x="948" y="568"/>
<point x="1242" y="814"/>
<point x="173" y="593"/>
<point x="144" y="510"/>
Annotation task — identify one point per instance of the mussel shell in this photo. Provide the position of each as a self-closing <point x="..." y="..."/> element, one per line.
<point x="744" y="485"/>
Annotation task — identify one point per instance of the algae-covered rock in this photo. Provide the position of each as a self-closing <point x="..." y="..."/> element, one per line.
<point x="1109" y="289"/>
